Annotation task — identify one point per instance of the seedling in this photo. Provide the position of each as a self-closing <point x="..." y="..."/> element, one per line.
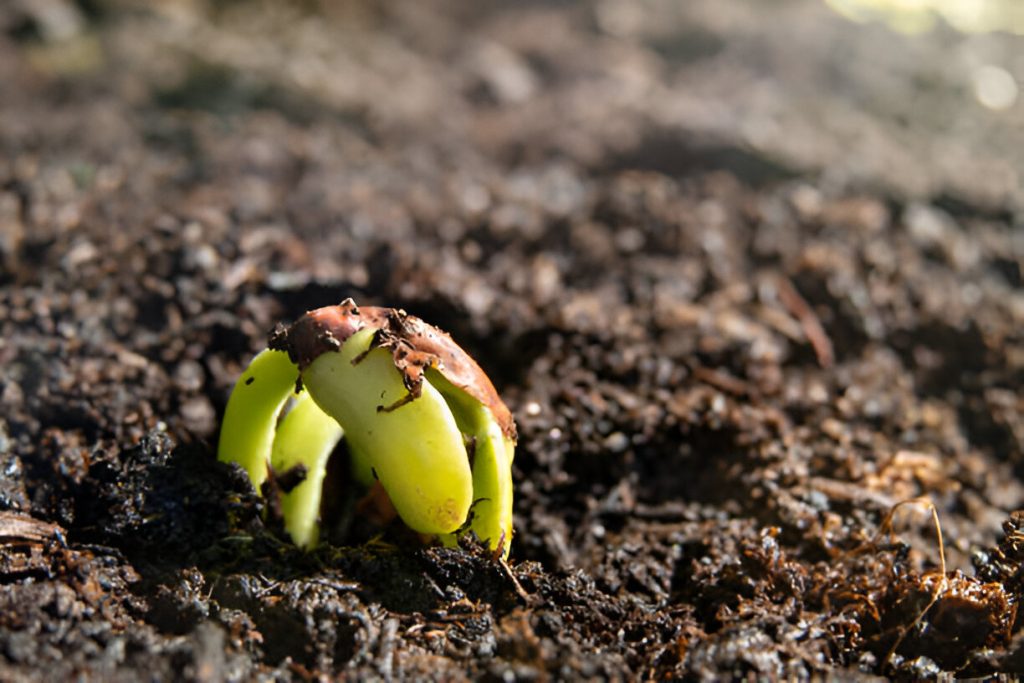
<point x="416" y="411"/>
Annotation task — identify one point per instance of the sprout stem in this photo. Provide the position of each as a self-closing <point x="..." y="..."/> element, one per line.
<point x="250" y="419"/>
<point x="306" y="436"/>
<point x="492" y="465"/>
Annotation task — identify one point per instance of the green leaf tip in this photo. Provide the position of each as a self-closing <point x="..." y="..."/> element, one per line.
<point x="416" y="412"/>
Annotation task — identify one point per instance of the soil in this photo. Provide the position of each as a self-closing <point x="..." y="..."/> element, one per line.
<point x="749" y="277"/>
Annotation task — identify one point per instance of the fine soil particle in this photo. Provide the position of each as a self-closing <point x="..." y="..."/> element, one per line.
<point x="736" y="338"/>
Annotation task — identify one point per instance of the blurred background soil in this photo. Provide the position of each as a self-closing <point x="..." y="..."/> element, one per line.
<point x="749" y="275"/>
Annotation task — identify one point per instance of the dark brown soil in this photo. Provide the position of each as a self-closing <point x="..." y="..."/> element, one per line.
<point x="748" y="276"/>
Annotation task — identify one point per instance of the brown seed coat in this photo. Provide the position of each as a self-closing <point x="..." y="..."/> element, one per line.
<point x="414" y="344"/>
